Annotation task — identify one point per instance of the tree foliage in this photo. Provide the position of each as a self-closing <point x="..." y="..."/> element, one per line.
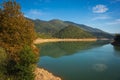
<point x="15" y="30"/>
<point x="3" y="59"/>
<point x="16" y="38"/>
<point x="24" y="68"/>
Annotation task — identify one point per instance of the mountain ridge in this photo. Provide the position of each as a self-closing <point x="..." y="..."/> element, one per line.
<point x="55" y="25"/>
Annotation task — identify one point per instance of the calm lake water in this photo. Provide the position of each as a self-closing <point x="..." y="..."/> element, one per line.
<point x="81" y="60"/>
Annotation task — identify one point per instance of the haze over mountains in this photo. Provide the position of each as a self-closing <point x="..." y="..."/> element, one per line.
<point x="55" y="26"/>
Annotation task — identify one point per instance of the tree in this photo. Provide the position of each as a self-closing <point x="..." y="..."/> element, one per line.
<point x="16" y="38"/>
<point x="15" y="30"/>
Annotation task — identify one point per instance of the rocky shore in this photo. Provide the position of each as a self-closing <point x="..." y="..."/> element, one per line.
<point x="42" y="74"/>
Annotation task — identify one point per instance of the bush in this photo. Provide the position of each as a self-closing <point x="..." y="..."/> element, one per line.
<point x="27" y="56"/>
<point x="3" y="59"/>
<point x="26" y="64"/>
<point x="23" y="68"/>
<point x="3" y="55"/>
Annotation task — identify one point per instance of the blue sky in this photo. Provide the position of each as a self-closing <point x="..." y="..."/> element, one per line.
<point x="102" y="14"/>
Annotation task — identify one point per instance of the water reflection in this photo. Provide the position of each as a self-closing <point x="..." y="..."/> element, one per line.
<point x="60" y="49"/>
<point x="91" y="60"/>
<point x="117" y="50"/>
<point x="100" y="67"/>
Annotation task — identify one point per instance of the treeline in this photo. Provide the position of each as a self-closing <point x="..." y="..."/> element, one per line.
<point x="17" y="54"/>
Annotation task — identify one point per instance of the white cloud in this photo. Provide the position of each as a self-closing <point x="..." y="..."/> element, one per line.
<point x="100" y="18"/>
<point x="33" y="13"/>
<point x="115" y="22"/>
<point x="99" y="8"/>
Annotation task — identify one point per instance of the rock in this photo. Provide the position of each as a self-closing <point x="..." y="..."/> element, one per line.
<point x="42" y="74"/>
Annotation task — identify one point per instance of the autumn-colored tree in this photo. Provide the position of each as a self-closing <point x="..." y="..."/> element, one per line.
<point x="16" y="38"/>
<point x="15" y="30"/>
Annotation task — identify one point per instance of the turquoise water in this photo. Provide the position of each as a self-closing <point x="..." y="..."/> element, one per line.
<point x="81" y="60"/>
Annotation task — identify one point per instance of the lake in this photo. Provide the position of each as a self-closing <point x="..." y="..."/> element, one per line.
<point x="81" y="60"/>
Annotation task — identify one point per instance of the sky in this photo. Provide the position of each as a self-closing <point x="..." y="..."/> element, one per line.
<point x="101" y="14"/>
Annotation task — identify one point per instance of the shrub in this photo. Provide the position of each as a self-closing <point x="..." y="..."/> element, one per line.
<point x="3" y="55"/>
<point x="3" y="59"/>
<point x="23" y="68"/>
<point x="27" y="56"/>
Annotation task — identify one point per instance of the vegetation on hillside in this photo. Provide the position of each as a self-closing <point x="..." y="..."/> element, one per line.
<point x="73" y="32"/>
<point x="54" y="26"/>
<point x="44" y="27"/>
<point x="16" y="39"/>
<point x="44" y="36"/>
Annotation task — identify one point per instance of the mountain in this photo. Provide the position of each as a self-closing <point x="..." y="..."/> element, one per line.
<point x="44" y="27"/>
<point x="73" y="32"/>
<point x="96" y="32"/>
<point x="52" y="27"/>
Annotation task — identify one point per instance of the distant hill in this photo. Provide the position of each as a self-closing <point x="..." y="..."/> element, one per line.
<point x="96" y="32"/>
<point x="52" y="27"/>
<point x="73" y="32"/>
<point x="44" y="27"/>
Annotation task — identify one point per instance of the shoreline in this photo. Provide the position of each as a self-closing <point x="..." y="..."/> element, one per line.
<point x="39" y="40"/>
<point x="42" y="74"/>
